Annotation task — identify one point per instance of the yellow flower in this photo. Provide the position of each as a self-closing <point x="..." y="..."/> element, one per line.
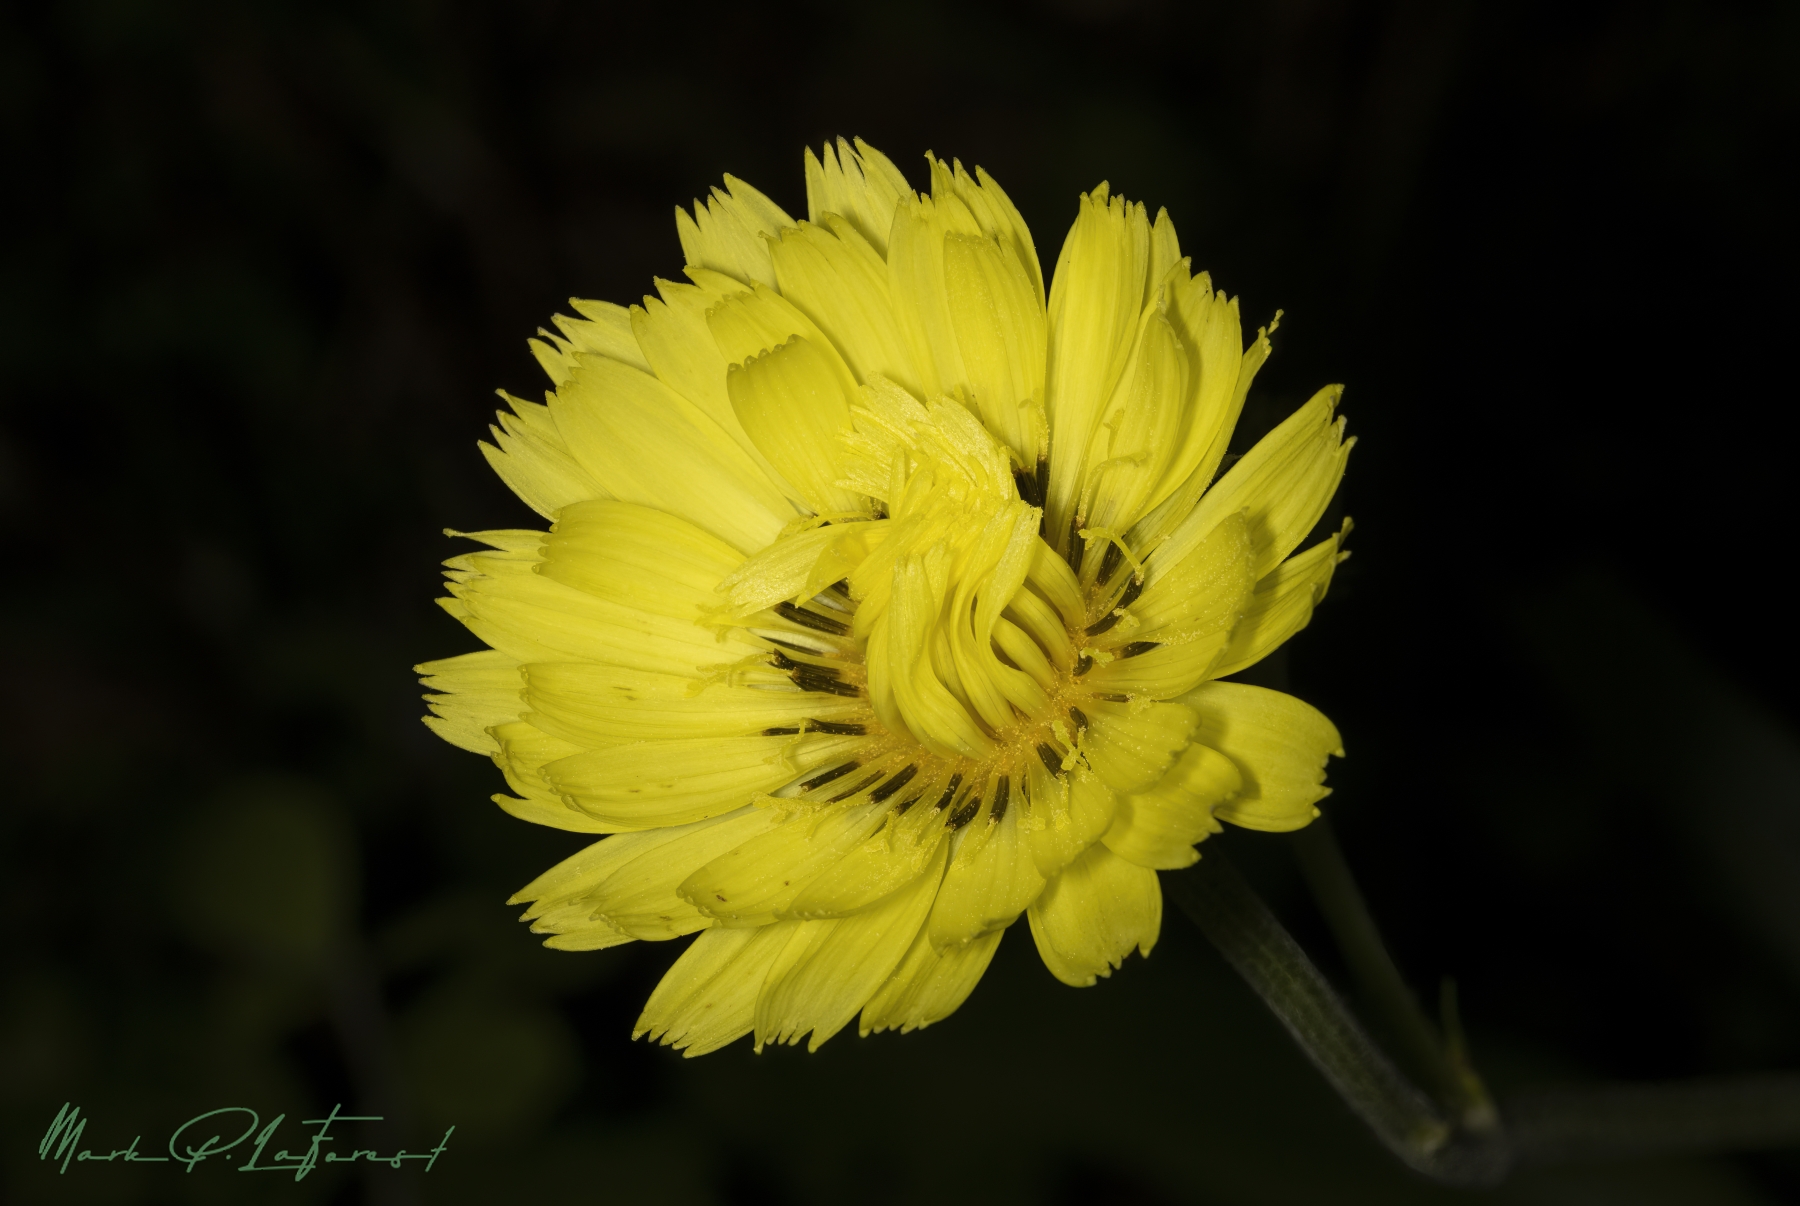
<point x="884" y="601"/>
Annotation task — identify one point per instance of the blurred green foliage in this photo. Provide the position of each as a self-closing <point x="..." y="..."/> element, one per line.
<point x="263" y="265"/>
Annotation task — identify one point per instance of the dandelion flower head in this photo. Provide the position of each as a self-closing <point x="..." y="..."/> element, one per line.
<point x="886" y="597"/>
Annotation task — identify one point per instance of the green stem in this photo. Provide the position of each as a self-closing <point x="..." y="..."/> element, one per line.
<point x="1421" y="1048"/>
<point x="1236" y="921"/>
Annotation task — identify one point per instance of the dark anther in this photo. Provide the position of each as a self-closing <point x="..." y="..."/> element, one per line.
<point x="838" y="799"/>
<point x="842" y="586"/>
<point x="1031" y="485"/>
<point x="790" y="645"/>
<point x="1101" y="625"/>
<point x="807" y="619"/>
<point x="1052" y="759"/>
<point x="1137" y="647"/>
<point x="1114" y="697"/>
<point x="823" y="680"/>
<point x="844" y="728"/>
<point x="836" y="772"/>
<point x="902" y="806"/>
<point x="1110" y="562"/>
<point x="893" y="785"/>
<point x="1077" y="546"/>
<point x="966" y="813"/>
<point x="1002" y="792"/>
<point x="1083" y="664"/>
<point x="949" y="792"/>
<point x="1133" y="589"/>
<point x="1079" y="717"/>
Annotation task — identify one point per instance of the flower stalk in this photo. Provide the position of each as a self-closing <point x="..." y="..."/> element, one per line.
<point x="1463" y="1137"/>
<point x="1438" y="1061"/>
<point x="1235" y="920"/>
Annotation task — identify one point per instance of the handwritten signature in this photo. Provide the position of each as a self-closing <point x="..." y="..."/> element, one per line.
<point x="62" y="1142"/>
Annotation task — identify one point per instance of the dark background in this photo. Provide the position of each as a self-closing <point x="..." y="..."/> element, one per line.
<point x="265" y="264"/>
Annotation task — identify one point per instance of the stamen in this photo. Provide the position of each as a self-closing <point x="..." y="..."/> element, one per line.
<point x="839" y="799"/>
<point x="842" y="728"/>
<point x="1137" y="647"/>
<point x="1111" y="618"/>
<point x="949" y="792"/>
<point x="808" y="619"/>
<point x="837" y="772"/>
<point x="817" y="678"/>
<point x="790" y="645"/>
<point x="1002" y="793"/>
<point x="966" y="813"/>
<point x="892" y="786"/>
<point x="1079" y="717"/>
<point x="1052" y="759"/>
<point x="1133" y="589"/>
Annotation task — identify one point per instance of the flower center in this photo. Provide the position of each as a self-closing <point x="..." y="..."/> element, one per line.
<point x="945" y="608"/>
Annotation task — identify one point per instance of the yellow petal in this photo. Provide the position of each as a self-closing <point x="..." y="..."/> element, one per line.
<point x="793" y="405"/>
<point x="858" y="183"/>
<point x="999" y="325"/>
<point x="673" y="782"/>
<point x="841" y="970"/>
<point x="1282" y="605"/>
<point x="708" y="999"/>
<point x="585" y="870"/>
<point x="680" y="349"/>
<point x="1279" y="745"/>
<point x="1165" y="253"/>
<point x="1096" y="301"/>
<point x="531" y="457"/>
<point x="1282" y="484"/>
<point x="754" y="883"/>
<point x="524" y="749"/>
<point x="893" y="857"/>
<point x="478" y="691"/>
<point x="1185" y="618"/>
<point x="549" y="810"/>
<point x="1068" y="814"/>
<point x="1219" y="379"/>
<point x="641" y="899"/>
<point x="1090" y="916"/>
<point x="929" y="985"/>
<point x="933" y="713"/>
<point x="1159" y="827"/>
<point x="991" y="878"/>
<point x="726" y="233"/>
<point x="647" y="444"/>
<point x="604" y="329"/>
<point x="533" y="618"/>
<point x="1136" y="433"/>
<point x="595" y="705"/>
<point x="995" y="212"/>
<point x="637" y="555"/>
<point x="797" y="567"/>
<point x="1131" y="746"/>
<point x="833" y="276"/>
<point x="915" y="259"/>
<point x="745" y="323"/>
